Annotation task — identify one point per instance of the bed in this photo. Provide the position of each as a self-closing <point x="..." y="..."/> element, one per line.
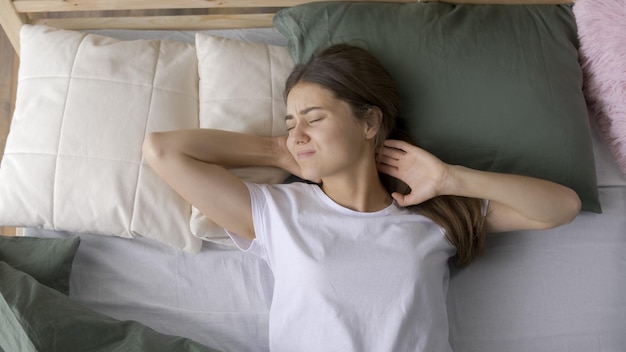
<point x="113" y="260"/>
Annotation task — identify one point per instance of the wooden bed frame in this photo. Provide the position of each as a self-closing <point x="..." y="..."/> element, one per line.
<point x="162" y="14"/>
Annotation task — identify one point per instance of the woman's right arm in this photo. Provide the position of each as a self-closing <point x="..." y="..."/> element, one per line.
<point x="193" y="163"/>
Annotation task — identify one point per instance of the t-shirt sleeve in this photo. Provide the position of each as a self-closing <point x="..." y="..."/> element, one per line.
<point x="257" y="198"/>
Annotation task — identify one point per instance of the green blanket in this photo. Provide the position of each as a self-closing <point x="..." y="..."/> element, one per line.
<point x="35" y="317"/>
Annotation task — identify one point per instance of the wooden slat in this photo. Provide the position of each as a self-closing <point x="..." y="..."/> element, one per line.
<point x="33" y="6"/>
<point x="191" y="22"/>
<point x="11" y="22"/>
<point x="98" y="5"/>
<point x="11" y="231"/>
<point x="8" y="87"/>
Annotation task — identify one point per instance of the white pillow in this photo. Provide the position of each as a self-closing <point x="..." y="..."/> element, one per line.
<point x="73" y="156"/>
<point x="241" y="90"/>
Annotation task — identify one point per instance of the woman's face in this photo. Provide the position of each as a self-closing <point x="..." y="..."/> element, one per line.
<point x="325" y="137"/>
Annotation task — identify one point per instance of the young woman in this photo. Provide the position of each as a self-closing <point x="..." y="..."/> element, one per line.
<point x="359" y="264"/>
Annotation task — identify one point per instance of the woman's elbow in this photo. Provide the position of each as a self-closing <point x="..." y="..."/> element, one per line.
<point x="573" y="205"/>
<point x="570" y="206"/>
<point x="566" y="208"/>
<point x="154" y="148"/>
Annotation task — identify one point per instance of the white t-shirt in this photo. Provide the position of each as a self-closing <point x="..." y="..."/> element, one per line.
<point x="348" y="280"/>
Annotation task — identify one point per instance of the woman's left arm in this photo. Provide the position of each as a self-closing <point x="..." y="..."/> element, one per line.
<point x="515" y="202"/>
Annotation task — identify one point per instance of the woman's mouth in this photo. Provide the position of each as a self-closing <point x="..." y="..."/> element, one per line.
<point x="303" y="154"/>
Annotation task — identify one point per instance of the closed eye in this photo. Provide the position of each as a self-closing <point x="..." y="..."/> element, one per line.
<point x="290" y="126"/>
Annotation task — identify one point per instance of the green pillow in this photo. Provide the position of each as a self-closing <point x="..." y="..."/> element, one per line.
<point x="37" y="318"/>
<point x="48" y="260"/>
<point x="491" y="87"/>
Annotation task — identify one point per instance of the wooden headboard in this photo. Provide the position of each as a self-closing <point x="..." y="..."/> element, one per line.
<point x="161" y="14"/>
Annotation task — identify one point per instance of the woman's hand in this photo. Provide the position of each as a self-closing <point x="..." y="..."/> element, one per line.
<point x="424" y="173"/>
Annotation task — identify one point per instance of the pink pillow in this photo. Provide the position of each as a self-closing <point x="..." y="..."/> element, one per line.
<point x="602" y="33"/>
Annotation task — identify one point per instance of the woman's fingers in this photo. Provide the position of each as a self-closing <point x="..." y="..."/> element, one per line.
<point x="391" y="152"/>
<point x="397" y="144"/>
<point x="389" y="170"/>
<point x="386" y="160"/>
<point x="400" y="198"/>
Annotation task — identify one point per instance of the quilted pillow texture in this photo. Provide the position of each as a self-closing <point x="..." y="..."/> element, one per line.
<point x="491" y="87"/>
<point x="73" y="157"/>
<point x="241" y="90"/>
<point x="602" y="32"/>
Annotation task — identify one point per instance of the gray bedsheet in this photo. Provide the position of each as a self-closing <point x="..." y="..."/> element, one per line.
<point x="557" y="290"/>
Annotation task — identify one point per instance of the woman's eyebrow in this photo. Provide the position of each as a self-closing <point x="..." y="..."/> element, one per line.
<point x="304" y="112"/>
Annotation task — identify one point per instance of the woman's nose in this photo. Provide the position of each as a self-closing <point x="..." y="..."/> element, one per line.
<point x="299" y="134"/>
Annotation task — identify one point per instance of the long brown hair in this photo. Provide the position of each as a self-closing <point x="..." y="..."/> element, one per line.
<point x="357" y="77"/>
